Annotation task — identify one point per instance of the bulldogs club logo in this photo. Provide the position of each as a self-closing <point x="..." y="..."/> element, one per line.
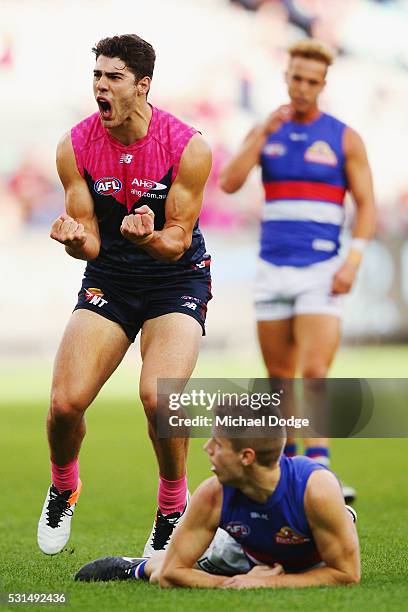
<point x="321" y="153"/>
<point x="95" y="296"/>
<point x="107" y="185"/>
<point x="236" y="529"/>
<point x="286" y="535"/>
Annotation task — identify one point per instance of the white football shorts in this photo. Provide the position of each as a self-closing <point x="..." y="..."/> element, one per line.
<point x="282" y="292"/>
<point x="225" y="557"/>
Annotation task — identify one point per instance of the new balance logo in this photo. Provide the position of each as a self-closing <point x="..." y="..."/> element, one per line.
<point x="125" y="158"/>
<point x="190" y="305"/>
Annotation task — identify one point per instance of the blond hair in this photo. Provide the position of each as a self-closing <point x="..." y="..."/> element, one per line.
<point x="311" y="48"/>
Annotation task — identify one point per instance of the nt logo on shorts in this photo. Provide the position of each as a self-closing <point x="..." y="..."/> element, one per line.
<point x="95" y="296"/>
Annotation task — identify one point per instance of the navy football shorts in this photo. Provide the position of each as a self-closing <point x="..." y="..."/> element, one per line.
<point x="131" y="305"/>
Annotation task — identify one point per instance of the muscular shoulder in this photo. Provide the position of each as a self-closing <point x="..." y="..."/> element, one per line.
<point x="353" y="143"/>
<point x="65" y="156"/>
<point x="197" y="149"/>
<point x="66" y="161"/>
<point x="195" y="164"/>
<point x="73" y="144"/>
<point x="209" y="491"/>
<point x="322" y="495"/>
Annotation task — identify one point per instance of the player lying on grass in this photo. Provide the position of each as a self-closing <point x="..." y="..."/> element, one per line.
<point x="263" y="520"/>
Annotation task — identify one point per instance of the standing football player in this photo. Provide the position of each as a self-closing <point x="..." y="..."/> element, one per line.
<point x="309" y="160"/>
<point x="134" y="177"/>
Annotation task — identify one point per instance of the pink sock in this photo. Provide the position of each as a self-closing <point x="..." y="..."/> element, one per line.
<point x="172" y="495"/>
<point x="65" y="477"/>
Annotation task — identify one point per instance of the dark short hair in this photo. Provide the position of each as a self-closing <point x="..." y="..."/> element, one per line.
<point x="138" y="55"/>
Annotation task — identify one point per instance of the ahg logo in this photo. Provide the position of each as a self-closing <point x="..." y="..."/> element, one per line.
<point x="148" y="184"/>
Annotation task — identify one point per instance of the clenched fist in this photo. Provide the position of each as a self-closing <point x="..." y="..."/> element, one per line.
<point x="139" y="227"/>
<point x="344" y="278"/>
<point x="67" y="231"/>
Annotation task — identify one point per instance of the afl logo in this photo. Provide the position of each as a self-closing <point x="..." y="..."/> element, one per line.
<point x="237" y="529"/>
<point x="274" y="149"/>
<point x="107" y="185"/>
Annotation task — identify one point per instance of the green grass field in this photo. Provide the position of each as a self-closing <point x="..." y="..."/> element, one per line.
<point x="118" y="501"/>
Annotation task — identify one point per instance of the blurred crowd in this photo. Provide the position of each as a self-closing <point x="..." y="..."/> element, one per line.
<point x="236" y="81"/>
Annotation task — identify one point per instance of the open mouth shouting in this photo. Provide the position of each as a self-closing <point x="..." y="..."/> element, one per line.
<point x="105" y="108"/>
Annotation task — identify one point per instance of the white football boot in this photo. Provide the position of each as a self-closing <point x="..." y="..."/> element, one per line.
<point x="54" y="525"/>
<point x="163" y="527"/>
<point x="349" y="493"/>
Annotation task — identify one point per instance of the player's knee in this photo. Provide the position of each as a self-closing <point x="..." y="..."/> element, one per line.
<point x="315" y="370"/>
<point x="65" y="407"/>
<point x="149" y="400"/>
<point x="280" y="372"/>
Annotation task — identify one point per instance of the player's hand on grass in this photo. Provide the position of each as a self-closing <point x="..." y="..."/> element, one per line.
<point x="68" y="231"/>
<point x="255" y="578"/>
<point x="260" y="571"/>
<point x="276" y="119"/>
<point x="139" y="227"/>
<point x="344" y="278"/>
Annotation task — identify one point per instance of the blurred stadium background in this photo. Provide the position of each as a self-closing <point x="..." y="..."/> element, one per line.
<point x="220" y="67"/>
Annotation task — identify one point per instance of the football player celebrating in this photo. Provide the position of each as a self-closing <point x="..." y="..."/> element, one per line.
<point x="134" y="177"/>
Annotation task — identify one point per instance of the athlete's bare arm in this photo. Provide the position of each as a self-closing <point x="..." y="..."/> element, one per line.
<point x="78" y="228"/>
<point x="335" y="537"/>
<point x="183" y="207"/>
<point x="235" y="173"/>
<point x="192" y="537"/>
<point x="360" y="184"/>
